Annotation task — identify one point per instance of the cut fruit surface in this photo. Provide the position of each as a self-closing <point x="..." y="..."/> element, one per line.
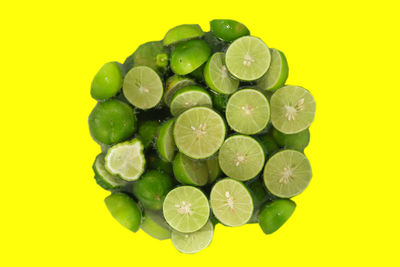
<point x="155" y="225"/>
<point x="277" y="73"/>
<point x="173" y="84"/>
<point x="189" y="171"/>
<point x="183" y="32"/>
<point x="287" y="173"/>
<point x="126" y="160"/>
<point x="199" y="132"/>
<point x="292" y="109"/>
<point x="186" y="209"/>
<point x="248" y="58"/>
<point x="241" y="157"/>
<point x="189" y="243"/>
<point x="248" y="111"/>
<point x="231" y="202"/>
<point x="165" y="141"/>
<point x="143" y="87"/>
<point x="103" y="177"/>
<point x="189" y="96"/>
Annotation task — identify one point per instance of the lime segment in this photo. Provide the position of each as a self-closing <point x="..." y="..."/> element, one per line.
<point x="275" y="214"/>
<point x="165" y="141"/>
<point x="217" y="75"/>
<point x="186" y="209"/>
<point x="103" y="177"/>
<point x="182" y="33"/>
<point x="287" y="173"/>
<point x="189" y="171"/>
<point x="155" y="225"/>
<point x="126" y="160"/>
<point x="231" y="202"/>
<point x="143" y="87"/>
<point x="188" y="97"/>
<point x="248" y="58"/>
<point x="241" y="157"/>
<point x="277" y="73"/>
<point x="248" y="111"/>
<point x="292" y="109"/>
<point x="107" y="82"/>
<point x="199" y="132"/>
<point x="189" y="243"/>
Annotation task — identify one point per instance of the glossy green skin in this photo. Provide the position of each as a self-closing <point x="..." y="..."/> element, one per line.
<point x="298" y="141"/>
<point x="112" y="122"/>
<point x="228" y="30"/>
<point x="107" y="82"/>
<point x="189" y="55"/>
<point x="269" y="144"/>
<point x="275" y="214"/>
<point x="148" y="132"/>
<point x="182" y="33"/>
<point x="125" y="210"/>
<point x="152" y="188"/>
<point x="155" y="162"/>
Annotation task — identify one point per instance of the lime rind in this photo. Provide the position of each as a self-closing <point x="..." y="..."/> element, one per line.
<point x="183" y="33"/>
<point x="231" y="202"/>
<point x="189" y="171"/>
<point x="186" y="209"/>
<point x="193" y="242"/>
<point x="248" y="111"/>
<point x="275" y="214"/>
<point x="248" y="58"/>
<point x="143" y="87"/>
<point x="107" y="81"/>
<point x="217" y="75"/>
<point x="126" y="160"/>
<point x="103" y="178"/>
<point x="189" y="96"/>
<point x="214" y="170"/>
<point x="228" y="30"/>
<point x="155" y="225"/>
<point x="165" y="141"/>
<point x="277" y="73"/>
<point x="287" y="173"/>
<point x="173" y="84"/>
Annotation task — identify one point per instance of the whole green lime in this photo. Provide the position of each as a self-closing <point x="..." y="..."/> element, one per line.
<point x="112" y="121"/>
<point x="107" y="82"/>
<point x="227" y="29"/>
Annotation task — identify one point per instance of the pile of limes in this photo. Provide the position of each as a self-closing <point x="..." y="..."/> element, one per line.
<point x="200" y="129"/>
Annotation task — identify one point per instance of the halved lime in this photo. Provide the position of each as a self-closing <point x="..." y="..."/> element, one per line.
<point x="125" y="210"/>
<point x="165" y="141"/>
<point x="147" y="132"/>
<point x="227" y="29"/>
<point x="189" y="243"/>
<point x="103" y="177"/>
<point x="297" y="141"/>
<point x="292" y="109"/>
<point x="287" y="173"/>
<point x="155" y="225"/>
<point x="112" y="121"/>
<point x="152" y="188"/>
<point x="214" y="171"/>
<point x="143" y="87"/>
<point x="248" y="111"/>
<point x="199" y="132"/>
<point x="173" y="84"/>
<point x="189" y="96"/>
<point x="275" y="214"/>
<point x="277" y="73"/>
<point x="189" y="55"/>
<point x="186" y="209"/>
<point x="182" y="33"/>
<point x="241" y="157"/>
<point x="107" y="82"/>
<point x="217" y="75"/>
<point x="126" y="160"/>
<point x="189" y="171"/>
<point x="231" y="202"/>
<point x="248" y="58"/>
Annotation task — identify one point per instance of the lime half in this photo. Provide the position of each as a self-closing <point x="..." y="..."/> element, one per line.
<point x="126" y="160"/>
<point x="292" y="109"/>
<point x="186" y="209"/>
<point x="182" y="33"/>
<point x="227" y="29"/>
<point x="277" y="73"/>
<point x="217" y="75"/>
<point x="189" y="171"/>
<point x="189" y="243"/>
<point x="231" y="202"/>
<point x="287" y="173"/>
<point x="275" y="214"/>
<point x="189" y="96"/>
<point x="199" y="132"/>
<point x="248" y="58"/>
<point x="248" y="111"/>
<point x="165" y="141"/>
<point x="241" y="157"/>
<point x="173" y="84"/>
<point x="155" y="225"/>
<point x="103" y="177"/>
<point x="143" y="87"/>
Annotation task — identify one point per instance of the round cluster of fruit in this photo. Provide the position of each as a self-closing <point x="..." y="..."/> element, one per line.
<point x="200" y="129"/>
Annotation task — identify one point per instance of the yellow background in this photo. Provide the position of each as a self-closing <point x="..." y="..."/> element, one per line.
<point x="344" y="52"/>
